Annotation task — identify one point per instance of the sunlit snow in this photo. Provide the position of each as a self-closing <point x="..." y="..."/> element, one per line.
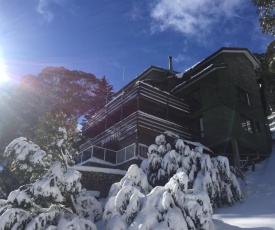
<point x="257" y="211"/>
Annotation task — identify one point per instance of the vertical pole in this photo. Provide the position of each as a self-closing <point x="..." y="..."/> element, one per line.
<point x="236" y="154"/>
<point x="137" y="121"/>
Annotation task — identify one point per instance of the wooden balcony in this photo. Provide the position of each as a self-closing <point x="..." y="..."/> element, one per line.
<point x="141" y="91"/>
<point x="136" y="121"/>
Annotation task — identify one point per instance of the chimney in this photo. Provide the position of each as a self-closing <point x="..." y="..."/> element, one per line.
<point x="170" y="63"/>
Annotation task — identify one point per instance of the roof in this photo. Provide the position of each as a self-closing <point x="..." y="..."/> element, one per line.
<point x="195" y="71"/>
<point x="144" y="74"/>
<point x="245" y="51"/>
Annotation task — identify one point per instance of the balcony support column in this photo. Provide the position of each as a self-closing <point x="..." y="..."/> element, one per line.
<point x="236" y="154"/>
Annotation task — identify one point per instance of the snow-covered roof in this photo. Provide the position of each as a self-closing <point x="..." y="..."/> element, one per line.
<point x="189" y="78"/>
<point x="198" y="69"/>
<point x="197" y="144"/>
<point x="145" y="73"/>
<point x="98" y="169"/>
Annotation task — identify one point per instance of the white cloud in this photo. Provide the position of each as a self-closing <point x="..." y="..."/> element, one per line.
<point x="43" y="8"/>
<point x="192" y="17"/>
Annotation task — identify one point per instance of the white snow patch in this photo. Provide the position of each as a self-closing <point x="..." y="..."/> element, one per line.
<point x="97" y="169"/>
<point x="257" y="211"/>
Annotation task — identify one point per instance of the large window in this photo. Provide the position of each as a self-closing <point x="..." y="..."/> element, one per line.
<point x="247" y="124"/>
<point x="243" y="96"/>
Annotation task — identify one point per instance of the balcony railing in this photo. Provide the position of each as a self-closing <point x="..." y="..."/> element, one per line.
<point x="141" y="90"/>
<point x="111" y="156"/>
<point x="138" y="120"/>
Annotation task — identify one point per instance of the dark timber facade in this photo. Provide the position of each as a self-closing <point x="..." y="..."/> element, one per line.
<point x="217" y="102"/>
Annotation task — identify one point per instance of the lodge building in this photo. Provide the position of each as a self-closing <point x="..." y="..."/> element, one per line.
<point x="218" y="102"/>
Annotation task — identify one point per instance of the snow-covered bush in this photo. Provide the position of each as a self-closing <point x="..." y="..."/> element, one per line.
<point x="170" y="207"/>
<point x="26" y="160"/>
<point x="88" y="207"/>
<point x="55" y="201"/>
<point x="55" y="132"/>
<point x="44" y="204"/>
<point x="134" y="177"/>
<point x="211" y="175"/>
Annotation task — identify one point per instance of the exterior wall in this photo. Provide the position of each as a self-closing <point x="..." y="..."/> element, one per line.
<point x="221" y="109"/>
<point x="142" y="111"/>
<point x="217" y="78"/>
<point x="102" y="182"/>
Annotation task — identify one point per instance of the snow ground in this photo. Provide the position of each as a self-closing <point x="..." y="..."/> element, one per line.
<point x="257" y="211"/>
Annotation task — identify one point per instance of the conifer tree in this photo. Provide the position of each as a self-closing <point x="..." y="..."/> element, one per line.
<point x="266" y="12"/>
<point x="56" y="132"/>
<point x="103" y="93"/>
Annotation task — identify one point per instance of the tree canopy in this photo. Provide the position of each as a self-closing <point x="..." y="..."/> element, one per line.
<point x="103" y="93"/>
<point x="266" y="12"/>
<point x="73" y="92"/>
<point x="57" y="132"/>
<point x="57" y="88"/>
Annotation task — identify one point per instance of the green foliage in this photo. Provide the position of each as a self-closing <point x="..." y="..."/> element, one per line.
<point x="57" y="88"/>
<point x="25" y="160"/>
<point x="266" y="12"/>
<point x="8" y="182"/>
<point x="103" y="93"/>
<point x="56" y="132"/>
<point x="266" y="79"/>
<point x="53" y="89"/>
<point x="9" y="117"/>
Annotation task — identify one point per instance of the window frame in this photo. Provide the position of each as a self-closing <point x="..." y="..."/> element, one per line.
<point x="243" y="95"/>
<point x="247" y="124"/>
<point x="198" y="127"/>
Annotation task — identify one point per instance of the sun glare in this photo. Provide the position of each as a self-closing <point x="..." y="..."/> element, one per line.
<point x="3" y="73"/>
<point x="3" y="78"/>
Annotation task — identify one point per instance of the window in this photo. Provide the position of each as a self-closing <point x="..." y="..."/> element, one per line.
<point x="195" y="100"/>
<point x="198" y="128"/>
<point x="247" y="124"/>
<point x="243" y="96"/>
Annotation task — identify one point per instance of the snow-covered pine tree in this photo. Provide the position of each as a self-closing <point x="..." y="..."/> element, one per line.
<point x="55" y="201"/>
<point x="42" y="205"/>
<point x="211" y="175"/>
<point x="57" y="133"/>
<point x="25" y="160"/>
<point x="170" y="207"/>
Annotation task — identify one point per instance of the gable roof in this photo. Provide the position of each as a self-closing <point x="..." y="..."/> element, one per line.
<point x="204" y="67"/>
<point x="145" y="73"/>
<point x="245" y="51"/>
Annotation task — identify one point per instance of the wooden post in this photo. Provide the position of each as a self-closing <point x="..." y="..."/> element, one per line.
<point x="236" y="154"/>
<point x="137" y="132"/>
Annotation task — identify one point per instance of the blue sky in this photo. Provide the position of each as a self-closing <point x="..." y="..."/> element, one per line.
<point x="104" y="37"/>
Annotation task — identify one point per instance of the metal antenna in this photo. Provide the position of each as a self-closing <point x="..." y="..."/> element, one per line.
<point x="123" y="78"/>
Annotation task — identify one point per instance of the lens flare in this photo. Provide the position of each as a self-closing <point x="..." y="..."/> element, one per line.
<point x="3" y="73"/>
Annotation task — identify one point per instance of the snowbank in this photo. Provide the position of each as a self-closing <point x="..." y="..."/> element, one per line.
<point x="257" y="211"/>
